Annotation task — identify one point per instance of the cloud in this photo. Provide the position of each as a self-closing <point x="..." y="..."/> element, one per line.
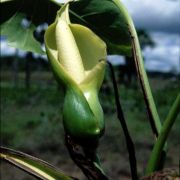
<point x="161" y="19"/>
<point x="166" y="55"/>
<point x="161" y="15"/>
<point x="6" y="50"/>
<point x="116" y="59"/>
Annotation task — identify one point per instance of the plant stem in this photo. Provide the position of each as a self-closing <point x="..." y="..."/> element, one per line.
<point x="129" y="142"/>
<point x="147" y="93"/>
<point x="85" y="159"/>
<point x="142" y="76"/>
<point x="167" y="125"/>
<point x="150" y="104"/>
<point x="148" y="97"/>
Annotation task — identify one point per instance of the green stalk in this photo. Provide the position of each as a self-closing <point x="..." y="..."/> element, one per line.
<point x="142" y="76"/>
<point x="154" y="119"/>
<point x="150" y="104"/>
<point x="167" y="125"/>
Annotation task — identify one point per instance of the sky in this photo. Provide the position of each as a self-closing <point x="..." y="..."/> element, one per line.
<point x="161" y="19"/>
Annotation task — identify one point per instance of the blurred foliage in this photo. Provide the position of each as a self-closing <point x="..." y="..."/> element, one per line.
<point x="23" y="38"/>
<point x="104" y="17"/>
<point x="36" y="114"/>
<point x="23" y="16"/>
<point x="31" y="120"/>
<point x="25" y="118"/>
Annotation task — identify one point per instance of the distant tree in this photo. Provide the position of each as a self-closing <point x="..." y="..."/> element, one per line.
<point x="15" y="69"/>
<point x="28" y="62"/>
<point x="127" y="71"/>
<point x="145" y="39"/>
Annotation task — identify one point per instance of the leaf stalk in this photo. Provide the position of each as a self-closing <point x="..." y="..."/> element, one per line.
<point x="167" y="125"/>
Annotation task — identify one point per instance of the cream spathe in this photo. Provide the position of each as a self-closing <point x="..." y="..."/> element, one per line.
<point x="77" y="57"/>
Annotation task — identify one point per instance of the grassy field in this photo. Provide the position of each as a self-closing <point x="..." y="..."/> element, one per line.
<point x="31" y="121"/>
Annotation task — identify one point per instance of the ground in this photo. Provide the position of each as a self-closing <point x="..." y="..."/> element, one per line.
<point x="31" y="122"/>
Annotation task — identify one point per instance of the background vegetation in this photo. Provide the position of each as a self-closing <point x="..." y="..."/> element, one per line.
<point x="31" y="121"/>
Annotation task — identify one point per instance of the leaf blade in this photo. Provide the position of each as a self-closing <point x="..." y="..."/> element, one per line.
<point x="15" y="11"/>
<point x="105" y="19"/>
<point x="32" y="165"/>
<point x="23" y="38"/>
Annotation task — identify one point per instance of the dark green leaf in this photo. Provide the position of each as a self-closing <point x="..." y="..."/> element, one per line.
<point x="32" y="165"/>
<point x="37" y="12"/>
<point x="106" y="19"/>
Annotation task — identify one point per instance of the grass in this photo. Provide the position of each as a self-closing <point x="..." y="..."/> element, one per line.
<point x="31" y="121"/>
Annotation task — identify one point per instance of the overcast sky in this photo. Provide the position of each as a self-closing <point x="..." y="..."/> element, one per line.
<point x="161" y="19"/>
<point x="160" y="15"/>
